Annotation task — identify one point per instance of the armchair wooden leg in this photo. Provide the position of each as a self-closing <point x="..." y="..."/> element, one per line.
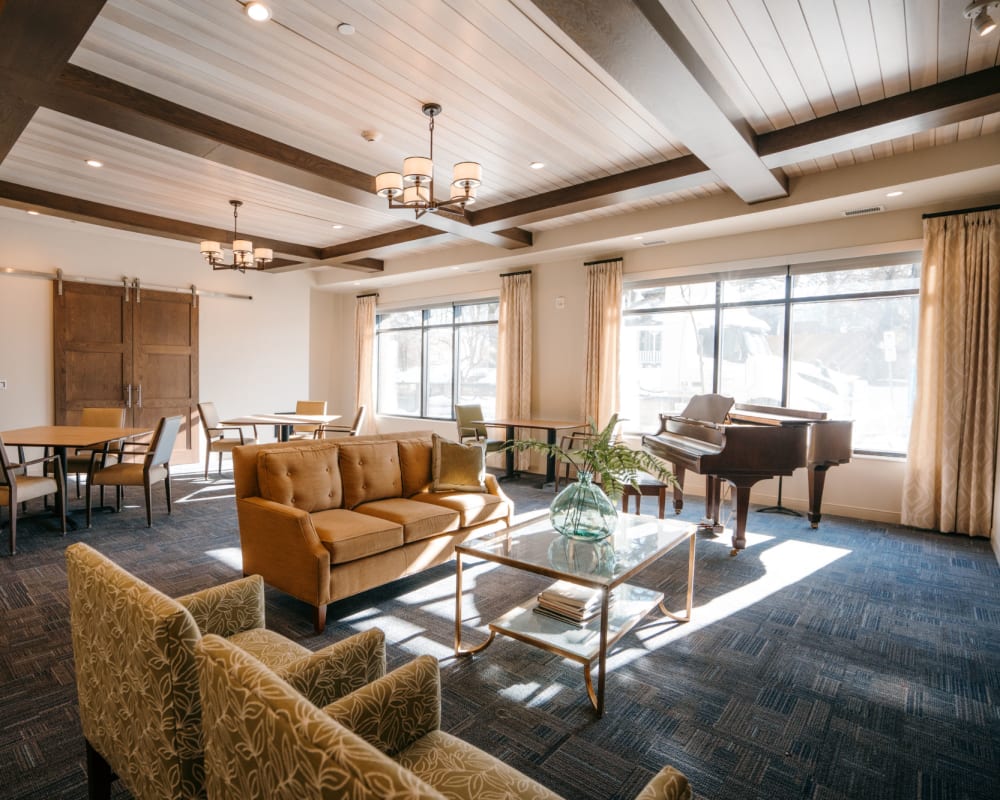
<point x="208" y="461"/>
<point x="220" y="462"/>
<point x="166" y="489"/>
<point x="147" y="490"/>
<point x="99" y="775"/>
<point x="319" y="618"/>
<point x="89" y="501"/>
<point x="12" y="509"/>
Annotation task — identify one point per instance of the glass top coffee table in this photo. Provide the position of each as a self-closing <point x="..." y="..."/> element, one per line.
<point x="600" y="568"/>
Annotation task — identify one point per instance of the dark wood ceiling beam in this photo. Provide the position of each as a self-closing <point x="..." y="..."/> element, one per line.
<point x="639" y="46"/>
<point x="66" y="207"/>
<point x="372" y="244"/>
<point x="954" y="100"/>
<point x="39" y="42"/>
<point x="636" y="184"/>
<point x="93" y="98"/>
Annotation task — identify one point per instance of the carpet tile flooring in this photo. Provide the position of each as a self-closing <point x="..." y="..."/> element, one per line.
<point x="858" y="660"/>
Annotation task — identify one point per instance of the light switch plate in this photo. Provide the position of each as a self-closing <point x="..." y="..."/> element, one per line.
<point x="3" y="384"/>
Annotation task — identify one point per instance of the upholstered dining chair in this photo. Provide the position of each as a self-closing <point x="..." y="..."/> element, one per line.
<point x="565" y="470"/>
<point x="307" y="407"/>
<point x="216" y="440"/>
<point x="17" y="486"/>
<point x="343" y="430"/>
<point x="78" y="463"/>
<point x="137" y="678"/>
<point x="381" y="740"/>
<point x="469" y="430"/>
<point x="153" y="468"/>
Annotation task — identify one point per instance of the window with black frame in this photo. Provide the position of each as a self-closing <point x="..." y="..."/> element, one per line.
<point x="428" y="359"/>
<point x="839" y="338"/>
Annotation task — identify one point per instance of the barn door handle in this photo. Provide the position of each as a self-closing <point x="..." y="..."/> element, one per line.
<point x="128" y="396"/>
<point x="139" y="404"/>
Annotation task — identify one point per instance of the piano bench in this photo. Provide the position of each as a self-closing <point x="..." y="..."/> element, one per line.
<point x="648" y="487"/>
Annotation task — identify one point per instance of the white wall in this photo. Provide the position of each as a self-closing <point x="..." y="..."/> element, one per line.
<point x="254" y="354"/>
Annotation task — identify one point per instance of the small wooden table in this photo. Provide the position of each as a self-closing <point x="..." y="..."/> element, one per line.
<point x="283" y="423"/>
<point x="551" y="426"/>
<point x="62" y="438"/>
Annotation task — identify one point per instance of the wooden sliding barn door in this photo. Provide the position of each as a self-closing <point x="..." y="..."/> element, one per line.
<point x="130" y="348"/>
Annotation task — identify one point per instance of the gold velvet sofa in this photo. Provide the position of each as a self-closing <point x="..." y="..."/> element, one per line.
<point x="327" y="519"/>
<point x="382" y="741"/>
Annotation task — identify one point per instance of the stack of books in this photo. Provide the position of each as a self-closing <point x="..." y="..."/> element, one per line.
<point x="570" y="602"/>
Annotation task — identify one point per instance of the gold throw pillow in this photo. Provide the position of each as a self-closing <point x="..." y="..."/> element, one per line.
<point x="457" y="467"/>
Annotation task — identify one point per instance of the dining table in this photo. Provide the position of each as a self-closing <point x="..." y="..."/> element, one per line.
<point x="63" y="438"/>
<point x="551" y="428"/>
<point x="282" y="421"/>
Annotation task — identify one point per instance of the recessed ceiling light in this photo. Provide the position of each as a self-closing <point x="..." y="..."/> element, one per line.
<point x="896" y="193"/>
<point x="537" y="165"/>
<point x="33" y="212"/>
<point x="637" y="238"/>
<point x="455" y="267"/>
<point x="345" y="29"/>
<point x="258" y="12"/>
<point x="357" y="283"/>
<point x="337" y="226"/>
<point x="93" y="162"/>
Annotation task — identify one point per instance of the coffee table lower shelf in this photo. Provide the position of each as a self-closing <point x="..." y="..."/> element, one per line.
<point x="581" y="644"/>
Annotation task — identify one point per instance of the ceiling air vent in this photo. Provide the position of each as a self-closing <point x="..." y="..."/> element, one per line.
<point x="860" y="212"/>
<point x="654" y="242"/>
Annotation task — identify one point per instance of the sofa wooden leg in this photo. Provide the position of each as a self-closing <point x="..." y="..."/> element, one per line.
<point x="99" y="775"/>
<point x="319" y="618"/>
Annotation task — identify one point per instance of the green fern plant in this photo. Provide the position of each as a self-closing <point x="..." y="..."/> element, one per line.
<point x="609" y="461"/>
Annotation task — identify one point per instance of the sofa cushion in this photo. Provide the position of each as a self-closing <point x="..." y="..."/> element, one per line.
<point x="457" y="467"/>
<point x="473" y="508"/>
<point x="419" y="520"/>
<point x="349" y="536"/>
<point x="415" y="464"/>
<point x="308" y="479"/>
<point x="369" y="471"/>
<point x="464" y="771"/>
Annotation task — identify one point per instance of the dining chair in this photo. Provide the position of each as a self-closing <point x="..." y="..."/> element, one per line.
<point x="78" y="462"/>
<point x="154" y="467"/>
<point x="307" y="407"/>
<point x="566" y="470"/>
<point x="469" y="430"/>
<point x="16" y="486"/>
<point x="215" y="435"/>
<point x="345" y="430"/>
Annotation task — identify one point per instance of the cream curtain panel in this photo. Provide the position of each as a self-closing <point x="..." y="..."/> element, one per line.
<point x="514" y="342"/>
<point x="604" y="314"/>
<point x="951" y="467"/>
<point x="364" y="357"/>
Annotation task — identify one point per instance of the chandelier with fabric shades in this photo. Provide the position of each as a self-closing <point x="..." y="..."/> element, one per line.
<point x="413" y="188"/>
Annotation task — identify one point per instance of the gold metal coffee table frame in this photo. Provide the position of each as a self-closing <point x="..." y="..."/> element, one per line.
<point x="605" y="566"/>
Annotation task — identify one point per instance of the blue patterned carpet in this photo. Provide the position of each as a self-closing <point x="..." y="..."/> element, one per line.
<point x="858" y="660"/>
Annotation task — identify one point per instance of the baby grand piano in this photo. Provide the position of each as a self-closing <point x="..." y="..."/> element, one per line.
<point x="744" y="444"/>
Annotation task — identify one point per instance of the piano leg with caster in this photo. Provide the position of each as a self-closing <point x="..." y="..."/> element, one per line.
<point x="817" y="477"/>
<point x="678" y="488"/>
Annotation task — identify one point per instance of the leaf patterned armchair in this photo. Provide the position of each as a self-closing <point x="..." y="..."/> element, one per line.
<point x="381" y="742"/>
<point x="137" y="677"/>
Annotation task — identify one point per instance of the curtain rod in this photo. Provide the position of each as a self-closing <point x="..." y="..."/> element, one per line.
<point x="961" y="211"/>
<point x="370" y="294"/>
<point x="58" y="275"/>
<point x="603" y="261"/>
<point x="512" y="274"/>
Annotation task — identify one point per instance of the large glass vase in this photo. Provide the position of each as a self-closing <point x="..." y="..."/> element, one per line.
<point x="583" y="511"/>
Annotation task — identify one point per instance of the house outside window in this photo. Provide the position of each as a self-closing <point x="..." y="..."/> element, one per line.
<point x="839" y="338"/>
<point x="428" y="359"/>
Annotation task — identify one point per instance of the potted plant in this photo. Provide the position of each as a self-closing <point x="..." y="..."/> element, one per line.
<point x="605" y="465"/>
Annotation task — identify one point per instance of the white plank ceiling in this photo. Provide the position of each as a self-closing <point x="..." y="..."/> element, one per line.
<point x="512" y="93"/>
